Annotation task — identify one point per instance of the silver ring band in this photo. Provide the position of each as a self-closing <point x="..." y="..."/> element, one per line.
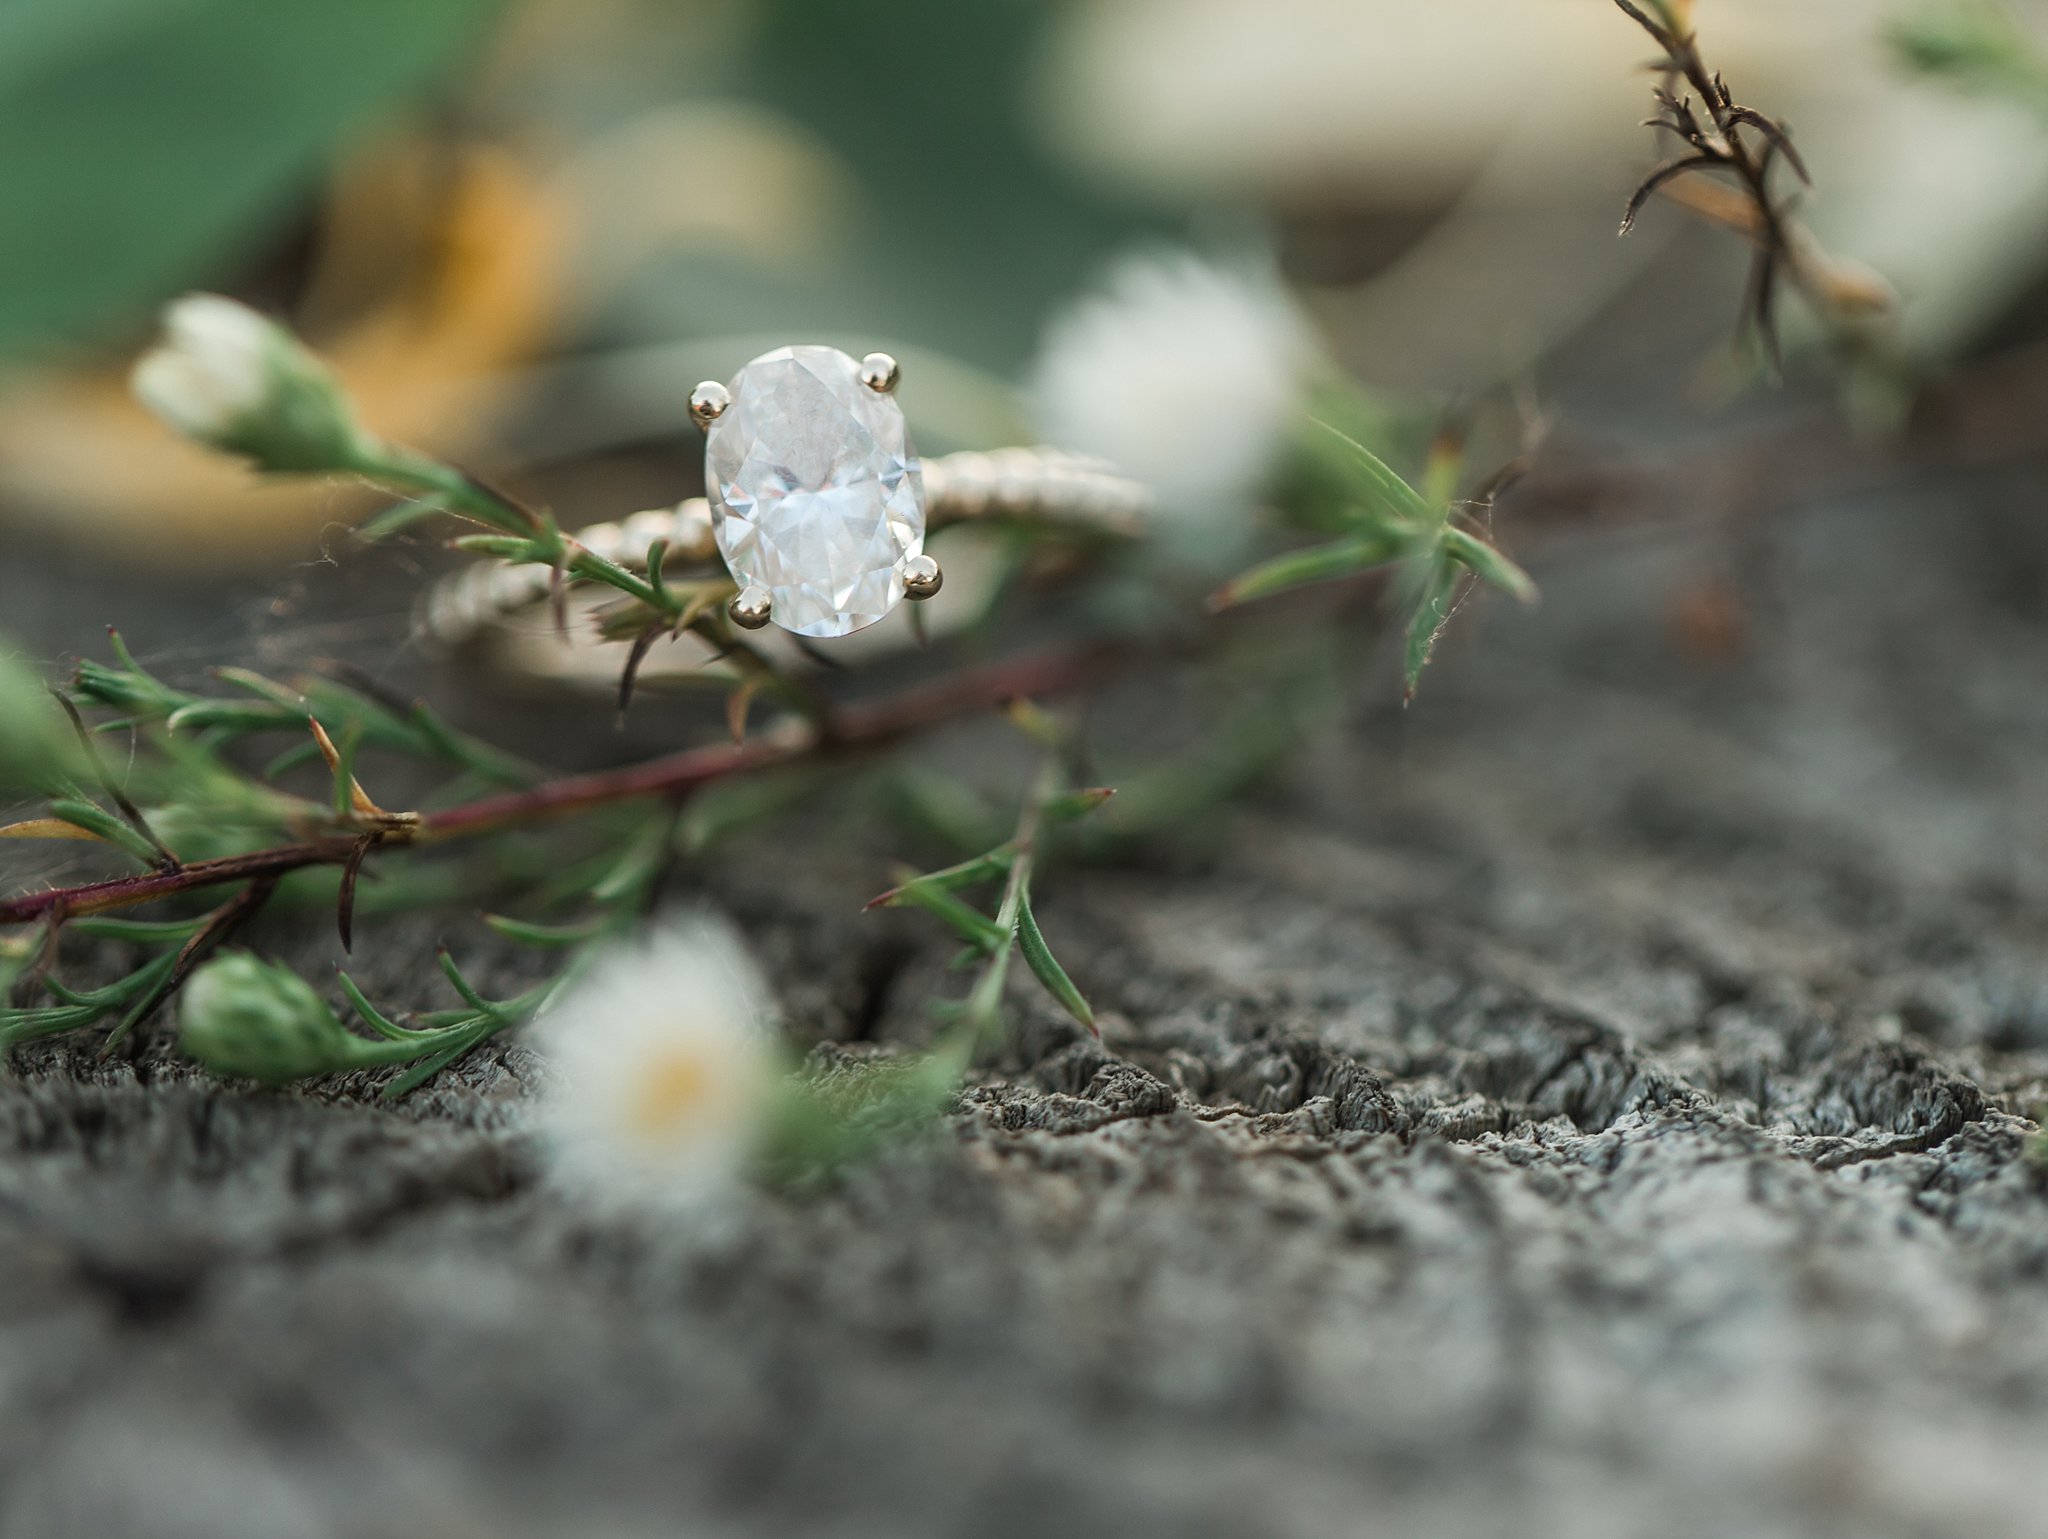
<point x="1042" y="485"/>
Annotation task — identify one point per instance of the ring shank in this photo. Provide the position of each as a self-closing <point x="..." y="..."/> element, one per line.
<point x="1043" y="485"/>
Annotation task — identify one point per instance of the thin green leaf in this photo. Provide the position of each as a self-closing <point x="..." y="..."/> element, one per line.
<point x="1488" y="563"/>
<point x="983" y="1009"/>
<point x="1320" y="563"/>
<point x="543" y="935"/>
<point x="461" y="1041"/>
<point x="657" y="558"/>
<point x="1077" y="804"/>
<point x="1385" y="491"/>
<point x="291" y="759"/>
<point x="1039" y="955"/>
<point x="139" y="931"/>
<point x="233" y="715"/>
<point x="463" y="986"/>
<point x="125" y="657"/>
<point x="64" y="994"/>
<point x="633" y="869"/>
<point x="969" y="923"/>
<point x="143" y="1004"/>
<point x="1435" y="598"/>
<point x="376" y="1019"/>
<point x="124" y="689"/>
<point x="104" y="825"/>
<point x="251" y="682"/>
<point x="506" y="547"/>
<point x="460" y="748"/>
<point x="982" y="868"/>
<point x="398" y="519"/>
<point x="78" y="1009"/>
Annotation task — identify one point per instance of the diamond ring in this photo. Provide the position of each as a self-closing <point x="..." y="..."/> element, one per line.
<point x="816" y="503"/>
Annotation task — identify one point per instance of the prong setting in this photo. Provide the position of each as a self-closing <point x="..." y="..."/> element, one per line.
<point x="750" y="608"/>
<point x="708" y="402"/>
<point x="879" y="372"/>
<point x="922" y="577"/>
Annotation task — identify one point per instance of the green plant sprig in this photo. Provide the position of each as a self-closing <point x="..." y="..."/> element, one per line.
<point x="522" y="536"/>
<point x="351" y="829"/>
<point x="265" y="705"/>
<point x="993" y="940"/>
<point x="1432" y="540"/>
<point x="1738" y="150"/>
<point x="247" y="1018"/>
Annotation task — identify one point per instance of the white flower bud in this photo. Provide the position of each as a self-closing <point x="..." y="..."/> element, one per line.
<point x="667" y="1070"/>
<point x="211" y="371"/>
<point x="227" y="376"/>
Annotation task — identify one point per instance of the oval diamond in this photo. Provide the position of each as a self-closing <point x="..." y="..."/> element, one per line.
<point x="816" y="494"/>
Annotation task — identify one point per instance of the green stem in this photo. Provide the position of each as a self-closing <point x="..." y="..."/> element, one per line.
<point x="984" y="1005"/>
<point x="401" y="469"/>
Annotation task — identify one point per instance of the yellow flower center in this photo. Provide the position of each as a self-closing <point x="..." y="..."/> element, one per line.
<point x="672" y="1091"/>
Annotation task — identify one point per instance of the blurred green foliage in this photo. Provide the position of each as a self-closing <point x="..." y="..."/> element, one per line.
<point x="37" y="747"/>
<point x="974" y="230"/>
<point x="143" y="141"/>
<point x="1975" y="45"/>
<point x="153" y="145"/>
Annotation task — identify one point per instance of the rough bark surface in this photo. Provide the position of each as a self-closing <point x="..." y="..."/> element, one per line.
<point x="1594" y="1102"/>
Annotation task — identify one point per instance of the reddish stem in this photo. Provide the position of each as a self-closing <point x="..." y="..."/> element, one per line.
<point x="852" y="729"/>
<point x="127" y="891"/>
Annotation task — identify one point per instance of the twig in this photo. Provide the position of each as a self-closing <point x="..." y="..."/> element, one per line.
<point x="220" y="927"/>
<point x="128" y="891"/>
<point x="1783" y="248"/>
<point x="853" y="729"/>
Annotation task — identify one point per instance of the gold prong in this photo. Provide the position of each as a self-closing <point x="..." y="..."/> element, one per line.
<point x="749" y="608"/>
<point x="879" y="372"/>
<point x="921" y="577"/>
<point x="708" y="402"/>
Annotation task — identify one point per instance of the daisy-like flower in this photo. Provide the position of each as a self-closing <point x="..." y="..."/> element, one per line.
<point x="1183" y="373"/>
<point x="226" y="376"/>
<point x="667" y="1069"/>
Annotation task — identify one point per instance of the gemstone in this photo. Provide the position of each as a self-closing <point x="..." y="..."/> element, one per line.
<point x="816" y="494"/>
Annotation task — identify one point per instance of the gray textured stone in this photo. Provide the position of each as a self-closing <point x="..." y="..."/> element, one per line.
<point x="1593" y="1102"/>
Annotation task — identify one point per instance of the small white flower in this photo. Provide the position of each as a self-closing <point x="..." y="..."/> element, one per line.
<point x="667" y="1068"/>
<point x="1184" y="373"/>
<point x="227" y="376"/>
<point x="212" y="369"/>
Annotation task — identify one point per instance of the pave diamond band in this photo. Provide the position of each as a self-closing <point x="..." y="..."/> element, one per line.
<point x="1040" y="484"/>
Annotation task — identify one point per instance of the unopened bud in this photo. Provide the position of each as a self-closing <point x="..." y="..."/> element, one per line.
<point x="38" y="747"/>
<point x="226" y="376"/>
<point x="249" y="1019"/>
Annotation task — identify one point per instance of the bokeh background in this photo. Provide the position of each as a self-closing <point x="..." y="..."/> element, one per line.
<point x="523" y="228"/>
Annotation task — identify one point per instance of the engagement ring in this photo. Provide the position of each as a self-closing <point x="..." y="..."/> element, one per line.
<point x="817" y="504"/>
